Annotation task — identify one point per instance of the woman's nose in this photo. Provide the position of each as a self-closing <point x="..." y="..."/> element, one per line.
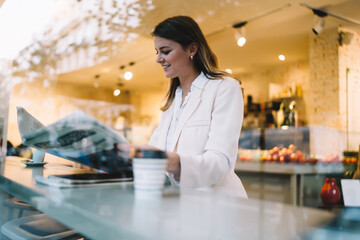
<point x="159" y="58"/>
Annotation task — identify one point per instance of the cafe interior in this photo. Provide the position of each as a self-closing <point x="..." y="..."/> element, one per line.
<point x="299" y="148"/>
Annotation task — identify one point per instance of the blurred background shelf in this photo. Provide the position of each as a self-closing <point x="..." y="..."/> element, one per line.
<point x="296" y="184"/>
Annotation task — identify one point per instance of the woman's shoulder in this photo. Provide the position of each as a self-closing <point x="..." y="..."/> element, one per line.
<point x="231" y="81"/>
<point x="225" y="81"/>
<point x="226" y="86"/>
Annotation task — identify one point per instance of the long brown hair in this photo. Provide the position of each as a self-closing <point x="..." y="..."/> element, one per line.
<point x="184" y="30"/>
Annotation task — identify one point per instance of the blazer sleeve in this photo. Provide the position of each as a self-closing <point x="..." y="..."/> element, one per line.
<point x="220" y="152"/>
<point x="154" y="138"/>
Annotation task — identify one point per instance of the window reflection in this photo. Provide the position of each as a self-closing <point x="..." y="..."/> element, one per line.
<point x="48" y="79"/>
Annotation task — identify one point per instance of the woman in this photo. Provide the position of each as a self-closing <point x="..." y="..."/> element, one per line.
<point x="202" y="117"/>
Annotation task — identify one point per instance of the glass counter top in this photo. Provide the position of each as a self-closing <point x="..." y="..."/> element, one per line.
<point x="115" y="212"/>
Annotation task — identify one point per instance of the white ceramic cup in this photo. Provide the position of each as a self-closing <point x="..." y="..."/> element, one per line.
<point x="149" y="169"/>
<point x="38" y="156"/>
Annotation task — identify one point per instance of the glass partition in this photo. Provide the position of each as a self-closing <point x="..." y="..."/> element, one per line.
<point x="301" y="111"/>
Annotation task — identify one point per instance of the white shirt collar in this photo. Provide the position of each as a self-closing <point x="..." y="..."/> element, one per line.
<point x="199" y="83"/>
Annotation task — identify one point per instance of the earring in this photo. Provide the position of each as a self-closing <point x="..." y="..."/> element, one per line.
<point x="191" y="57"/>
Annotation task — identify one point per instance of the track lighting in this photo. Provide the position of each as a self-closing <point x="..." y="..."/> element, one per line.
<point x="319" y="20"/>
<point x="96" y="82"/>
<point x="281" y="57"/>
<point x="319" y="23"/>
<point x="228" y="70"/>
<point x="241" y="40"/>
<point x="128" y="75"/>
<point x="320" y="14"/>
<point x="117" y="92"/>
<point x="240" y="35"/>
<point x="240" y="27"/>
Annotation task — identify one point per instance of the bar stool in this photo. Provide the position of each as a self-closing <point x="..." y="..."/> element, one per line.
<point x="37" y="227"/>
<point x="15" y="203"/>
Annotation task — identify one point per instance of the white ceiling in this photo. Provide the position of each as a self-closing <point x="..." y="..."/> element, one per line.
<point x="283" y="32"/>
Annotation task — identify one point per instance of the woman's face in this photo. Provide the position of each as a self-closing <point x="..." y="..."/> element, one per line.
<point x="173" y="58"/>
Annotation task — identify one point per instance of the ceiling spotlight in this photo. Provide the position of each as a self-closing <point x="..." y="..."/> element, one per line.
<point x="228" y="70"/>
<point x="240" y="37"/>
<point x="116" y="92"/>
<point x="96" y="82"/>
<point x="319" y="23"/>
<point x="240" y="33"/>
<point x="321" y="13"/>
<point x="128" y="75"/>
<point x="345" y="38"/>
<point x="281" y="57"/>
<point x="241" y="24"/>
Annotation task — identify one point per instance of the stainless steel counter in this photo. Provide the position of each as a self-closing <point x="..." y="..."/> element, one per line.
<point x="295" y="173"/>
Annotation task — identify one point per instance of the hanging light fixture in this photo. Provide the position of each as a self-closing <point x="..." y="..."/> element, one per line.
<point x="121" y="72"/>
<point x="117" y="92"/>
<point x="319" y="21"/>
<point x="128" y="75"/>
<point x="320" y="14"/>
<point x="240" y="33"/>
<point x="228" y="70"/>
<point x="281" y="57"/>
<point x="96" y="82"/>
<point x="240" y="27"/>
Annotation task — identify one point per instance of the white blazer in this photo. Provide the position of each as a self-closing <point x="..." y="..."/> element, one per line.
<point x="206" y="136"/>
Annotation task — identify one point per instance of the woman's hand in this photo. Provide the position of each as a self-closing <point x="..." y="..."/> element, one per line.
<point x="173" y="164"/>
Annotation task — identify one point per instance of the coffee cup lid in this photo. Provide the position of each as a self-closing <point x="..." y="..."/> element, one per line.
<point x="147" y="153"/>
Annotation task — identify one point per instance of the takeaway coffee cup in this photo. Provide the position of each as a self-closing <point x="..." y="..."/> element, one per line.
<point x="149" y="168"/>
<point x="38" y="156"/>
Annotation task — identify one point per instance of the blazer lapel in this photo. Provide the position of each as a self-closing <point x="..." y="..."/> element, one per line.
<point x="190" y="107"/>
<point x="165" y="126"/>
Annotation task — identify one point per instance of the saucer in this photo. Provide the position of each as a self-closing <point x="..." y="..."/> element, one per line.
<point x="32" y="164"/>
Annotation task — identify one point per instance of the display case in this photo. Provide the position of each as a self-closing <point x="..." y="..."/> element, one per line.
<point x="307" y="144"/>
<point x="290" y="164"/>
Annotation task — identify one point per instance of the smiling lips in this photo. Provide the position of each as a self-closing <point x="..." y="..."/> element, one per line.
<point x="165" y="66"/>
